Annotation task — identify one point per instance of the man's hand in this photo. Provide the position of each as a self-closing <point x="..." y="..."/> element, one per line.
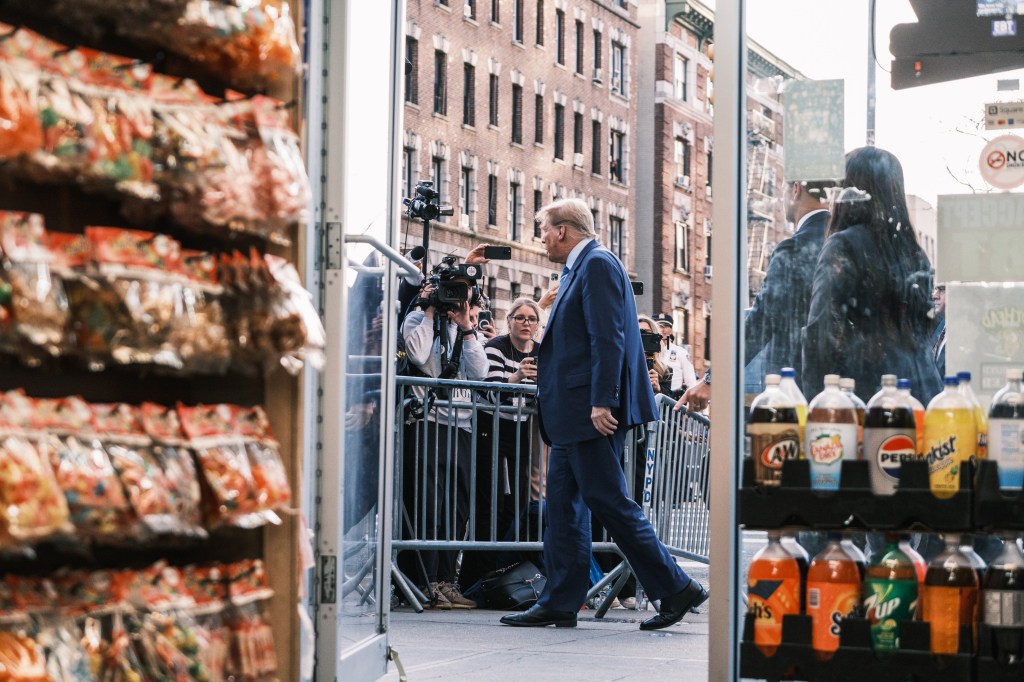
<point x="460" y="316"/>
<point x="655" y="382"/>
<point x="477" y="254"/>
<point x="696" y="398"/>
<point x="603" y="420"/>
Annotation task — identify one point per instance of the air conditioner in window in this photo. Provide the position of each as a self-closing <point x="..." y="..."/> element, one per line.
<point x="707" y="191"/>
<point x="707" y="272"/>
<point x="577" y="160"/>
<point x="597" y="74"/>
<point x="467" y="11"/>
<point x="463" y="220"/>
<point x="683" y="181"/>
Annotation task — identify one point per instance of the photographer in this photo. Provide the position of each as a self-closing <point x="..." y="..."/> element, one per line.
<point x="441" y="331"/>
<point x="661" y="376"/>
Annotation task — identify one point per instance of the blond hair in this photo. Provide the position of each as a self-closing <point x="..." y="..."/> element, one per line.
<point x="573" y="213"/>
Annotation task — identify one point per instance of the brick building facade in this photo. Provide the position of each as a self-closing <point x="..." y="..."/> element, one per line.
<point x="510" y="104"/>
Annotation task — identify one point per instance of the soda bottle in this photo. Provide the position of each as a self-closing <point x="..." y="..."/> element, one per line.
<point x="950" y="438"/>
<point x="773" y="591"/>
<point x="848" y="386"/>
<point x="1006" y="431"/>
<point x="857" y="555"/>
<point x="803" y="560"/>
<point x="790" y="388"/>
<point x="977" y="563"/>
<point x="890" y="435"/>
<point x="772" y="432"/>
<point x="980" y="419"/>
<point x="1002" y="603"/>
<point x="920" y="567"/>
<point x="890" y="595"/>
<point x="903" y="386"/>
<point x="950" y="596"/>
<point x="831" y="434"/>
<point x="833" y="592"/>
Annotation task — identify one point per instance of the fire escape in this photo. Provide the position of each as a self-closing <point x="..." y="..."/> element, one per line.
<point x="761" y="199"/>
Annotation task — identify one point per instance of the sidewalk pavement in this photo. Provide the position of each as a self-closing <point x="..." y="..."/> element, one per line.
<point x="472" y="645"/>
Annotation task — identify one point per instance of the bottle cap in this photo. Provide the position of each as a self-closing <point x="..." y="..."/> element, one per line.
<point x="772" y="379"/>
<point x="847" y="382"/>
<point x="903" y="383"/>
<point x="831" y="379"/>
<point x="963" y="376"/>
<point x="788" y="372"/>
<point x="951" y="380"/>
<point x="890" y="380"/>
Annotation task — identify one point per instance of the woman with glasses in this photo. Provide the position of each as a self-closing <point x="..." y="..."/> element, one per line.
<point x="512" y="359"/>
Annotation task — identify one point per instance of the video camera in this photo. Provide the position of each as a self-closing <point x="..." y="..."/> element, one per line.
<point x="448" y="279"/>
<point x="425" y="203"/>
<point x="652" y="346"/>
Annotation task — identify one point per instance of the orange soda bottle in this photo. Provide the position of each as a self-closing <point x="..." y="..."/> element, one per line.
<point x="950" y="596"/>
<point x="773" y="591"/>
<point x="903" y="386"/>
<point x="833" y="592"/>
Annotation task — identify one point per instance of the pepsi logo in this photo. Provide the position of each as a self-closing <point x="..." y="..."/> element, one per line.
<point x="894" y="450"/>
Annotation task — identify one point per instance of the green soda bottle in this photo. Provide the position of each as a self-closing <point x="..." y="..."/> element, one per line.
<point x="890" y="595"/>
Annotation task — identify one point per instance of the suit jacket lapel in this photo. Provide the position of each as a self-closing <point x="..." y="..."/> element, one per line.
<point x="563" y="287"/>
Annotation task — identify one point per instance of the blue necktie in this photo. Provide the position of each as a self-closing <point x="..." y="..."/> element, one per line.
<point x="565" y="273"/>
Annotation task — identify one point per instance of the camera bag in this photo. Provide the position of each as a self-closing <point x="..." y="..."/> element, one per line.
<point x="513" y="588"/>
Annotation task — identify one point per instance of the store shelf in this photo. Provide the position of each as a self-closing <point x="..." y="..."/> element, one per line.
<point x="996" y="509"/>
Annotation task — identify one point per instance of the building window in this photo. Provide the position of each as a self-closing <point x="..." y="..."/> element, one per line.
<point x="437" y="175"/>
<point x="597" y="56"/>
<point x="538" y="119"/>
<point x="492" y="288"/>
<point x="513" y="290"/>
<point x="537" y="293"/>
<point x="517" y="114"/>
<point x="682" y="261"/>
<point x="466" y="190"/>
<point x="443" y="2"/>
<point x="517" y="20"/>
<point x="492" y="199"/>
<point x="540" y="22"/>
<point x="707" y="338"/>
<point x="408" y="171"/>
<point x="679" y="77"/>
<point x="620" y="3"/>
<point x="595" y="147"/>
<point x="560" y="36"/>
<point x="496" y="11"/>
<point x="615" y="156"/>
<point x="682" y="159"/>
<point x="615" y="235"/>
<point x="493" y="99"/>
<point x="577" y="133"/>
<point x="710" y="166"/>
<point x="468" y="94"/>
<point x="579" y="47"/>
<point x="618" y="69"/>
<point x="440" y="82"/>
<point x="559" y="131"/>
<point x="515" y="196"/>
<point x="471" y="4"/>
<point x="707" y="251"/>
<point x="412" y="84"/>
<point x="538" y="203"/>
<point x="686" y="328"/>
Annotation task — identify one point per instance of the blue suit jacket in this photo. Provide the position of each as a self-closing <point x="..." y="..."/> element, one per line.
<point x="591" y="354"/>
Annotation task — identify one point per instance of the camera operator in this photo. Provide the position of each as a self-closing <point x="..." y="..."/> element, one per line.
<point x="441" y="331"/>
<point x="661" y="376"/>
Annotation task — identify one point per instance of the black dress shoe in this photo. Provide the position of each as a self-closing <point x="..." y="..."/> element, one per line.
<point x="673" y="608"/>
<point x="538" y="617"/>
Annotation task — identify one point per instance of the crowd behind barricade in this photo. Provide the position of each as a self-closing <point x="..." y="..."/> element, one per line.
<point x="472" y="459"/>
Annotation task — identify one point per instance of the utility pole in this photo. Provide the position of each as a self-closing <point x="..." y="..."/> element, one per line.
<point x="871" y="74"/>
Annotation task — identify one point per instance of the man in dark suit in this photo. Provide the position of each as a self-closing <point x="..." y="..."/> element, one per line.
<point x="592" y="386"/>
<point x="779" y="312"/>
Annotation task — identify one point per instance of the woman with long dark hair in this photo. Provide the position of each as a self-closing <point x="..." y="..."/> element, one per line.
<point x="871" y="295"/>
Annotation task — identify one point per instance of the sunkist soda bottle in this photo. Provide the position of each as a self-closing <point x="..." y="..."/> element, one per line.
<point x="803" y="561"/>
<point x="833" y="592"/>
<point x="950" y="596"/>
<point x="1002" y="603"/>
<point x="831" y="434"/>
<point x="790" y="388"/>
<point x="1006" y="432"/>
<point x="849" y="386"/>
<point x="980" y="418"/>
<point x="950" y="438"/>
<point x="890" y="436"/>
<point x="772" y="432"/>
<point x="903" y="386"/>
<point x="890" y="595"/>
<point x="773" y="591"/>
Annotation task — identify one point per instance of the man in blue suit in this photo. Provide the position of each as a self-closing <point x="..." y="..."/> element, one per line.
<point x="592" y="386"/>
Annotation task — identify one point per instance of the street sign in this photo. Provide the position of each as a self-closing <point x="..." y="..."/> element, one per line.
<point x="1002" y="115"/>
<point x="1002" y="162"/>
<point x="812" y="127"/>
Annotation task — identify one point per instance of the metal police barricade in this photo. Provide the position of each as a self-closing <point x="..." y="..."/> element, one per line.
<point x="444" y="506"/>
<point x="673" y="453"/>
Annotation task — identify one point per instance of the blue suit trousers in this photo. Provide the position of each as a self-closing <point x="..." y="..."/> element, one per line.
<point x="584" y="478"/>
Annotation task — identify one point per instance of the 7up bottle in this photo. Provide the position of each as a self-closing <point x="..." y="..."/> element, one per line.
<point x="890" y="595"/>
